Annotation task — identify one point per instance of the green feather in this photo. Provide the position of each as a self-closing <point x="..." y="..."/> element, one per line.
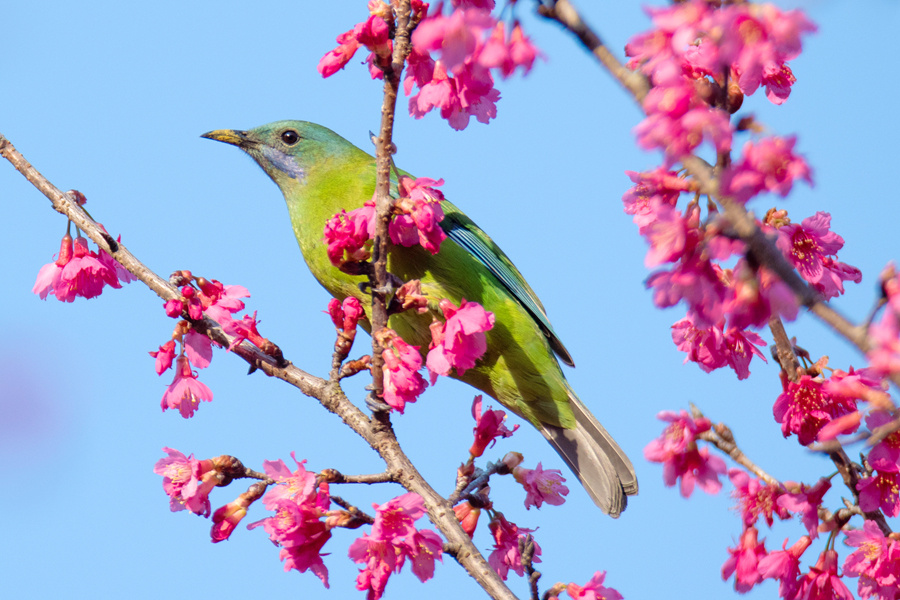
<point x="321" y="173"/>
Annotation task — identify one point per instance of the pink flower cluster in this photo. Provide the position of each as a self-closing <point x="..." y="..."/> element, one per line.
<point x="416" y="220"/>
<point x="751" y="564"/>
<point x="812" y="248"/>
<point x="373" y="34"/>
<point x="217" y="301"/>
<point x="805" y="407"/>
<point x="79" y="271"/>
<point x="768" y="165"/>
<point x="418" y="214"/>
<point x="723" y="302"/>
<point x="393" y="539"/>
<point x="468" y="44"/>
<point x="460" y="340"/>
<point x="297" y="527"/>
<point x="506" y="554"/>
<point x="881" y="490"/>
<point x="751" y="43"/>
<point x="876" y="562"/>
<point x="677" y="450"/>
<point x="402" y="381"/>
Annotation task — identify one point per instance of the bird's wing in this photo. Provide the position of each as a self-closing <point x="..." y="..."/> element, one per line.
<point x="462" y="230"/>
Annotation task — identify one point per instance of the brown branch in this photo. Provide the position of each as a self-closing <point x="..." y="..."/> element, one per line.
<point x="722" y="438"/>
<point x="335" y="476"/>
<point x="328" y="393"/>
<point x="566" y="15"/>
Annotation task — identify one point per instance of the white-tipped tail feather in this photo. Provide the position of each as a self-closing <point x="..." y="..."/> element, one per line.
<point x="596" y="459"/>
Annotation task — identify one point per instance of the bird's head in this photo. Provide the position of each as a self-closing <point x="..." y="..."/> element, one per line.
<point x="286" y="150"/>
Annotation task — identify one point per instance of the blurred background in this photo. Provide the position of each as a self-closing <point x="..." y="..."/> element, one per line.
<point x="110" y="99"/>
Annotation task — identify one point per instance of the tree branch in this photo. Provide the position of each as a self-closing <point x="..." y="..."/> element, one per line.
<point x="742" y="221"/>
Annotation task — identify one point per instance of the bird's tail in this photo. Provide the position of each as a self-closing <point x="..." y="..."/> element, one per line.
<point x="596" y="459"/>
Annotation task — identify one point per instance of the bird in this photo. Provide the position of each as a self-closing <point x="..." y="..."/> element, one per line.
<point x="320" y="173"/>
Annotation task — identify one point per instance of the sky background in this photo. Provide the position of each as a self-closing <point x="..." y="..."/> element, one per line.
<point x="110" y="98"/>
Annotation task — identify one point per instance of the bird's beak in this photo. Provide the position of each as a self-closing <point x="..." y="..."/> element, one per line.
<point x="229" y="136"/>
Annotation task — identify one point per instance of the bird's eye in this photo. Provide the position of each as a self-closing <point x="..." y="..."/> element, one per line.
<point x="290" y="137"/>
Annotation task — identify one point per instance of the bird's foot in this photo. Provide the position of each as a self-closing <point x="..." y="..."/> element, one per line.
<point x="376" y="404"/>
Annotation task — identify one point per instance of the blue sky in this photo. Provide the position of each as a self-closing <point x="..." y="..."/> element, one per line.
<point x="110" y="98"/>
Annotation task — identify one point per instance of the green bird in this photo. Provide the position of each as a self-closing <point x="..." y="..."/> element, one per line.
<point x="320" y="173"/>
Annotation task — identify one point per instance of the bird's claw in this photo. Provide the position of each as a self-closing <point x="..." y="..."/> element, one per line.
<point x="375" y="404"/>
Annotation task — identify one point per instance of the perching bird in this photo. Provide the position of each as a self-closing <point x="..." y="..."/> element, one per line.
<point x="321" y="173"/>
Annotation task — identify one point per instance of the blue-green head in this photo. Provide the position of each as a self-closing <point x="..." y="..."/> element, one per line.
<point x="286" y="150"/>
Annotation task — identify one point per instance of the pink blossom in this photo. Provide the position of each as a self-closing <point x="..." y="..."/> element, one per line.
<point x="768" y="165"/>
<point x="393" y="539"/>
<point x="299" y="486"/>
<point x="667" y="235"/>
<point x="297" y="527"/>
<point x="84" y="275"/>
<point x="697" y="281"/>
<point x="459" y="342"/>
<point x="174" y="308"/>
<point x="345" y="315"/>
<point x="187" y="481"/>
<point x="348" y="235"/>
<point x="469" y="93"/>
<point x="489" y="425"/>
<point x="246" y="328"/>
<point x="880" y="491"/>
<point x="456" y="37"/>
<point x="812" y="248"/>
<point x="742" y="346"/>
<point x="652" y="192"/>
<point x="804" y="408"/>
<point x="505" y="55"/>
<point x="840" y="426"/>
<point x="884" y="356"/>
<point x="593" y="589"/>
<point x="806" y="502"/>
<point x="677" y="450"/>
<point x="744" y="561"/>
<point x="194" y="304"/>
<point x="419" y="221"/>
<point x="784" y="565"/>
<point x="373" y="34"/>
<point x="300" y="533"/>
<point x="885" y="455"/>
<point x="337" y="59"/>
<point x="227" y="517"/>
<point x="756" y="498"/>
<point x="704" y="346"/>
<point x="467" y="515"/>
<point x="542" y="486"/>
<point x="759" y="295"/>
<point x="876" y="561"/>
<point x="402" y="381"/>
<point x="185" y="392"/>
<point x="679" y="136"/>
<point x="221" y="301"/>
<point x="822" y="582"/>
<point x="164" y="356"/>
<point x="198" y="349"/>
<point x="506" y="554"/>
<point x="49" y="276"/>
